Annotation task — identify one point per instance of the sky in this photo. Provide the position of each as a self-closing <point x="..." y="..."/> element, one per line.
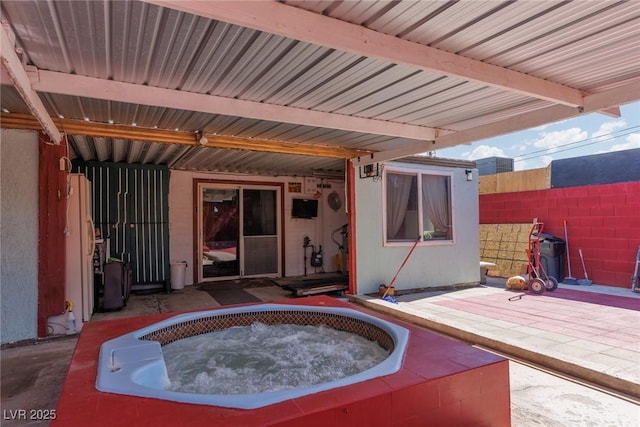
<point x="593" y="133"/>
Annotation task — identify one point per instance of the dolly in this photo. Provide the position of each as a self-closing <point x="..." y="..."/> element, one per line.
<point x="538" y="279"/>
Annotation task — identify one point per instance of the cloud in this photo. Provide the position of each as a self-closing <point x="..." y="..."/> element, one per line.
<point x="632" y="141"/>
<point x="606" y="129"/>
<point x="520" y="165"/>
<point x="534" y="163"/>
<point x="552" y="140"/>
<point x="483" y="151"/>
<point x="545" y="160"/>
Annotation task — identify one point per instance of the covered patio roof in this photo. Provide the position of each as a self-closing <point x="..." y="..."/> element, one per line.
<point x="296" y="87"/>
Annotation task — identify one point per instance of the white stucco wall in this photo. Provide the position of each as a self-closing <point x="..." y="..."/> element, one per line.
<point x="319" y="230"/>
<point x="430" y="265"/>
<point x="18" y="235"/>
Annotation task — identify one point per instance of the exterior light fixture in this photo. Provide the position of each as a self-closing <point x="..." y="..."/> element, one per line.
<point x="201" y="138"/>
<point x="469" y="173"/>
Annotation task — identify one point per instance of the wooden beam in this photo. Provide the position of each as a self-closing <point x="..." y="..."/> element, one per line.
<point x="393" y="154"/>
<point x="598" y="102"/>
<point x="13" y="65"/>
<point x="69" y="84"/>
<point x="611" y="112"/>
<point x="52" y="221"/>
<point x="615" y="97"/>
<point x="512" y="124"/>
<point x="593" y="103"/>
<point x="296" y="23"/>
<point x="5" y="78"/>
<point x="95" y="129"/>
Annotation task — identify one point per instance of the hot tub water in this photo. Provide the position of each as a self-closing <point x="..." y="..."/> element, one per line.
<point x="261" y="358"/>
<point x="256" y="364"/>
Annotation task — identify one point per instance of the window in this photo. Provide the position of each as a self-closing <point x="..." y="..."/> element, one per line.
<point x="417" y="204"/>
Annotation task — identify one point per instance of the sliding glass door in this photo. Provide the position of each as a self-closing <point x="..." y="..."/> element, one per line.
<point x="260" y="232"/>
<point x="219" y="230"/>
<point x="239" y="232"/>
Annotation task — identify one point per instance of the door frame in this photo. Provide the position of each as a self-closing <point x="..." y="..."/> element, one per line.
<point x="196" y="251"/>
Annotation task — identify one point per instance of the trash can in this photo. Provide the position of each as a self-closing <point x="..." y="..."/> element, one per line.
<point x="552" y="251"/>
<point x="178" y="274"/>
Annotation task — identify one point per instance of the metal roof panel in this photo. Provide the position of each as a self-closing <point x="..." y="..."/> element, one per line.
<point x="589" y="46"/>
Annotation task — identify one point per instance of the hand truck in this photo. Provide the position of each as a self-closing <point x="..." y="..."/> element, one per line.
<point x="538" y="279"/>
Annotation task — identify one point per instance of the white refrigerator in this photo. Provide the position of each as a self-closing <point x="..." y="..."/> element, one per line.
<point x="80" y="244"/>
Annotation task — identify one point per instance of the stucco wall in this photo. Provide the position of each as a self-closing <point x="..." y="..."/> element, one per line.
<point x="18" y="235"/>
<point x="430" y="265"/>
<point x="318" y="230"/>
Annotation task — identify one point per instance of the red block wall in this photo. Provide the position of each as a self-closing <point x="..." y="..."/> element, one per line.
<point x="602" y="220"/>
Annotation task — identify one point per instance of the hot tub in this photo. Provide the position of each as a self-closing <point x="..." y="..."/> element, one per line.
<point x="441" y="381"/>
<point x="133" y="364"/>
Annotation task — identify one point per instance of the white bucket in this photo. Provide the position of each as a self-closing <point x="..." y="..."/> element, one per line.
<point x="178" y="274"/>
<point x="56" y="325"/>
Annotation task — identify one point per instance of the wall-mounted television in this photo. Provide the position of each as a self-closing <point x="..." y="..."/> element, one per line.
<point x="304" y="208"/>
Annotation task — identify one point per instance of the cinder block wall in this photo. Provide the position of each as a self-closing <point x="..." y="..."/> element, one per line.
<point x="603" y="221"/>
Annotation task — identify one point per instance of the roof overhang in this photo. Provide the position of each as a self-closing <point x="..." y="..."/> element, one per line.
<point x="364" y="81"/>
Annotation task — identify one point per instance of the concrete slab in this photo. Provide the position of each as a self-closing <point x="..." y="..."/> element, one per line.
<point x="539" y="328"/>
<point x="31" y="380"/>
<point x="187" y="299"/>
<point x="543" y="399"/>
